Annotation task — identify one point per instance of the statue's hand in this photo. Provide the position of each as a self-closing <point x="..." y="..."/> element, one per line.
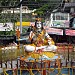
<point x="49" y="42"/>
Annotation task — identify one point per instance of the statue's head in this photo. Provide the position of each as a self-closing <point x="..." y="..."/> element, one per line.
<point x="38" y="24"/>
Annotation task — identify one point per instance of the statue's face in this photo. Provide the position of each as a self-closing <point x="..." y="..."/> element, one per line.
<point x="38" y="25"/>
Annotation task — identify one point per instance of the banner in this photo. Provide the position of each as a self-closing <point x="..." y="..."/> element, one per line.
<point x="23" y="23"/>
<point x="60" y="23"/>
<point x="54" y="31"/>
<point x="6" y="26"/>
<point x="70" y="32"/>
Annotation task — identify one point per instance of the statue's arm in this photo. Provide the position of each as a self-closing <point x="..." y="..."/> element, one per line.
<point x="49" y="39"/>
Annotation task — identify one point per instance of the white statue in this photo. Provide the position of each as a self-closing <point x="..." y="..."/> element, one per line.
<point x="40" y="39"/>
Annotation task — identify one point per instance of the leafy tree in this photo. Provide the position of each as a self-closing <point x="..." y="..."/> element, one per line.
<point x="48" y="8"/>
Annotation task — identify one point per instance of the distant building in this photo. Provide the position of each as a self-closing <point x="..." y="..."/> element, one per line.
<point x="69" y="6"/>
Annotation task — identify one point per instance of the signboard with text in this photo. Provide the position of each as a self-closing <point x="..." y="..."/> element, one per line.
<point x="70" y="32"/>
<point x="54" y="31"/>
<point x="6" y="26"/>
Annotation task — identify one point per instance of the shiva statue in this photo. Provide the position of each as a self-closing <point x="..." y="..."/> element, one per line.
<point x="40" y="39"/>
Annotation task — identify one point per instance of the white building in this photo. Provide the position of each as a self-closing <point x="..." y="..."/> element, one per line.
<point x="17" y="10"/>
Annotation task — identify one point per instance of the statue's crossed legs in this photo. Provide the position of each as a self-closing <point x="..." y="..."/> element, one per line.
<point x="30" y="48"/>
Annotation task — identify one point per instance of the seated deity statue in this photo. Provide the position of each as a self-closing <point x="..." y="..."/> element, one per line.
<point x="40" y="40"/>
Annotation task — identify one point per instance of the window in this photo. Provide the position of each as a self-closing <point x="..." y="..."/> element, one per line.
<point x="61" y="16"/>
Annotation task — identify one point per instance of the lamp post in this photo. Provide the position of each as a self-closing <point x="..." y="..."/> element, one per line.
<point x="21" y="17"/>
